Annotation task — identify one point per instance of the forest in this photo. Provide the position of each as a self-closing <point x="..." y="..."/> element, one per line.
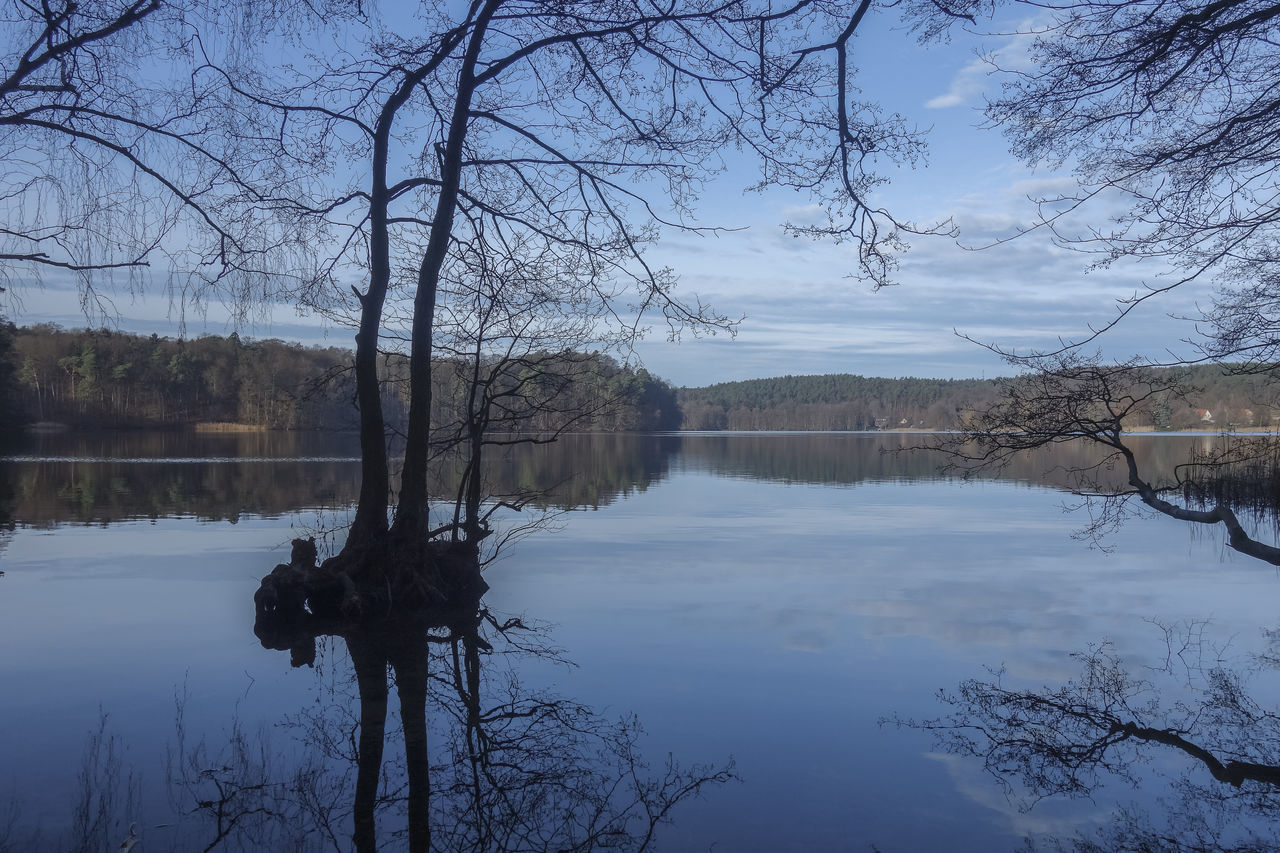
<point x="102" y="378"/>
<point x="1217" y="398"/>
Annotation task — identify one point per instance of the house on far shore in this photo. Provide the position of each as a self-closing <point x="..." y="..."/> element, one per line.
<point x="1204" y="415"/>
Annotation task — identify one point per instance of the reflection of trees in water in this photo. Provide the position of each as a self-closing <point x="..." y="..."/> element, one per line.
<point x="849" y="459"/>
<point x="477" y="761"/>
<point x="181" y="444"/>
<point x="576" y="471"/>
<point x="1190" y="728"/>
<point x="1067" y="398"/>
<point x="105" y="799"/>
<point x="101" y="487"/>
<point x="589" y="470"/>
<point x="808" y="457"/>
<point x="474" y="760"/>
<point x="55" y="492"/>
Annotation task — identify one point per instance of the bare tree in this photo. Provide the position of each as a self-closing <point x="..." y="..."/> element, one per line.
<point x="117" y="155"/>
<point x="1167" y="114"/>
<point x="572" y="134"/>
<point x="519" y="350"/>
<point x="62" y="84"/>
<point x="1071" y="397"/>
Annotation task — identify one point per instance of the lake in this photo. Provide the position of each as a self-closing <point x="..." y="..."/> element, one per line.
<point x="773" y="606"/>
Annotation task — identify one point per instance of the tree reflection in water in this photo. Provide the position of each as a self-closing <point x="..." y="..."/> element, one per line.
<point x="1190" y="729"/>
<point x="484" y="764"/>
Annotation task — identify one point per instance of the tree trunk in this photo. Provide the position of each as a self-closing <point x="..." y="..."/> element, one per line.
<point x="371" y="513"/>
<point x="411" y="514"/>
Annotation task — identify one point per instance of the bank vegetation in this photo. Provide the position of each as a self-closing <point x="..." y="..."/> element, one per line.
<point x="94" y="379"/>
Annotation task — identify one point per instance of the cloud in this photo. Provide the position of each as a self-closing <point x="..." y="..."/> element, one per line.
<point x="805" y="314"/>
<point x="1011" y="53"/>
<point x="803" y="214"/>
<point x="969" y="82"/>
<point x="1047" y="186"/>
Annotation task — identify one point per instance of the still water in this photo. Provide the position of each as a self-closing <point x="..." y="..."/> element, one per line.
<point x="769" y="608"/>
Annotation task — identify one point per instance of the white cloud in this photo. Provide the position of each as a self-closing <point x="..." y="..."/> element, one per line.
<point x="803" y="214"/>
<point x="1011" y="53"/>
<point x="969" y="82"/>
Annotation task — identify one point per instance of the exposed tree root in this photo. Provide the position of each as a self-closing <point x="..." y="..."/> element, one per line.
<point x="303" y="599"/>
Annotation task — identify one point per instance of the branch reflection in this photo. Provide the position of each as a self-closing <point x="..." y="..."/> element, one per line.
<point x="474" y="761"/>
<point x="1192" y="732"/>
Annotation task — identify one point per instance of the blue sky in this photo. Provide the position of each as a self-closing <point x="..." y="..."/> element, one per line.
<point x="803" y="314"/>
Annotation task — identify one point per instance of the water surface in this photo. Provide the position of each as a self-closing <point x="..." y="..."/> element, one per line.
<point x="769" y="599"/>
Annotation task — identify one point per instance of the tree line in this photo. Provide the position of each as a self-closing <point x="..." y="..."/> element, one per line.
<point x="831" y="402"/>
<point x="103" y="378"/>
<point x="1217" y="398"/>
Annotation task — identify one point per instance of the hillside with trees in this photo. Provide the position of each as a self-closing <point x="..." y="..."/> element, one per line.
<point x="100" y="378"/>
<point x="107" y="378"/>
<point x="830" y="402"/>
<point x="1216" y="398"/>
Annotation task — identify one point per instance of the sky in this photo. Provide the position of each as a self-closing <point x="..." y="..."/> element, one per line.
<point x="802" y="312"/>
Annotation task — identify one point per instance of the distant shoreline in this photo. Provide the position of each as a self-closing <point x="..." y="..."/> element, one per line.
<point x="231" y="428"/>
